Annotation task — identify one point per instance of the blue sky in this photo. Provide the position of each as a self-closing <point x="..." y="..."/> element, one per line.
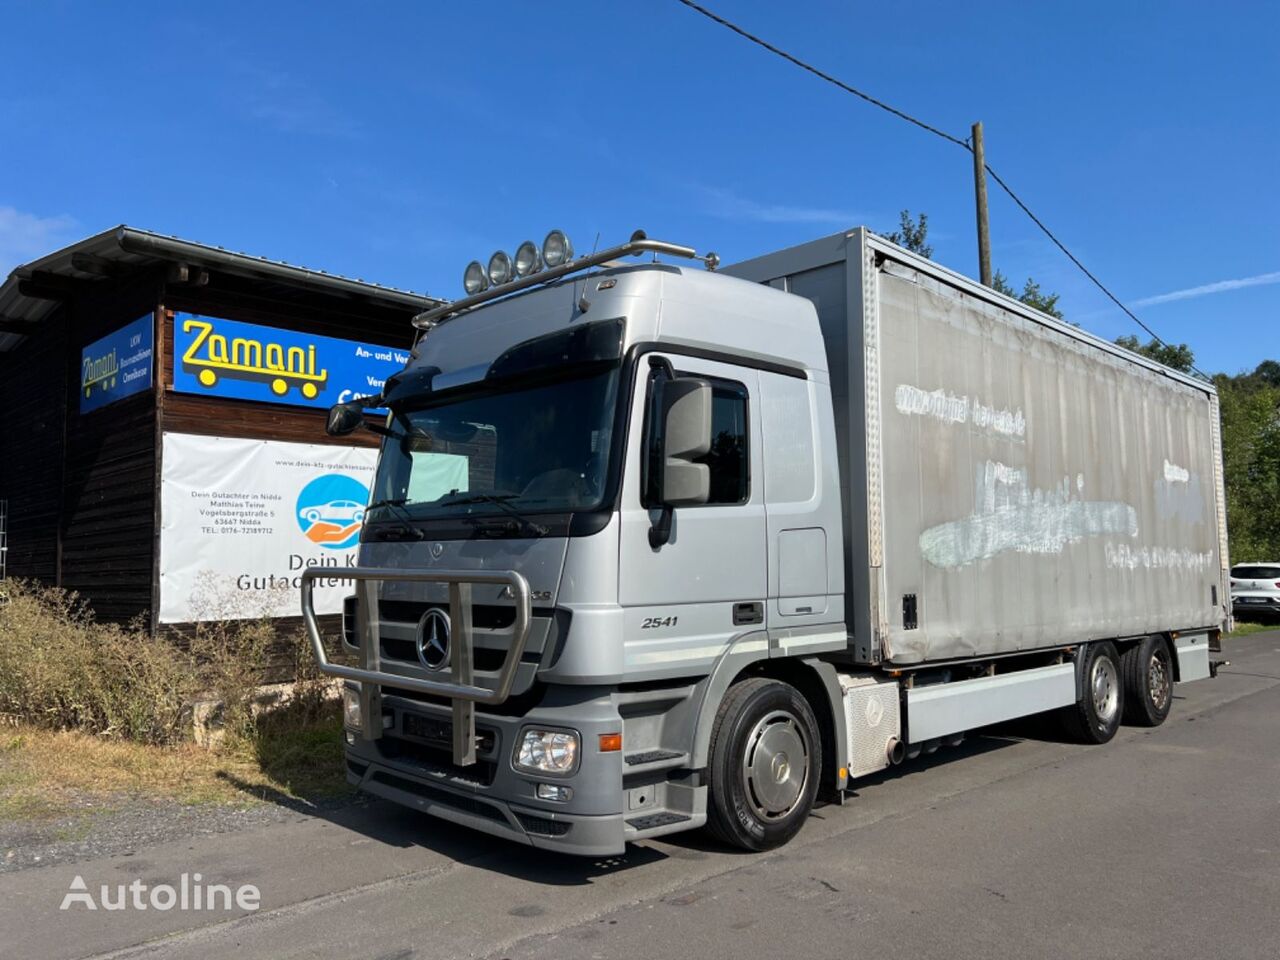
<point x="395" y="142"/>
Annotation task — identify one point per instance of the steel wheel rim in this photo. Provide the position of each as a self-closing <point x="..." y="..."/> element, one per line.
<point x="775" y="765"/>
<point x="1106" y="689"/>
<point x="1158" y="678"/>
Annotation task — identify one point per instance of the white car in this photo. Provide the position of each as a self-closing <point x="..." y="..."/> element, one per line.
<point x="1255" y="589"/>
<point x="342" y="511"/>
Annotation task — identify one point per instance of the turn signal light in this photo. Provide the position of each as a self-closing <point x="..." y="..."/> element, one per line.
<point x="610" y="742"/>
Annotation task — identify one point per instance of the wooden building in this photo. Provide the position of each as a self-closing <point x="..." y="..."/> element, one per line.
<point x="81" y="453"/>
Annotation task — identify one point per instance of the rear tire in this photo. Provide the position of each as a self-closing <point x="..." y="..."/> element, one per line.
<point x="1147" y="671"/>
<point x="1095" y="717"/>
<point x="765" y="764"/>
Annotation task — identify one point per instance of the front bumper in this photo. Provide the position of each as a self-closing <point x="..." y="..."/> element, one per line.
<point x="492" y="795"/>
<point x="592" y="836"/>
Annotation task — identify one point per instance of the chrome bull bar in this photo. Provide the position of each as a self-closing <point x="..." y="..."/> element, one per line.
<point x="461" y="688"/>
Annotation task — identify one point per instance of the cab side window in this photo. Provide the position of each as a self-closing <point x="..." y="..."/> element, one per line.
<point x="729" y="457"/>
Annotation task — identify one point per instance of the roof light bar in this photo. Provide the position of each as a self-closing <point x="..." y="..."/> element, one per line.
<point x="638" y="244"/>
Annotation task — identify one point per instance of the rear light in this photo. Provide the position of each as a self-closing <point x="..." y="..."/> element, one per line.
<point x="1278" y="583"/>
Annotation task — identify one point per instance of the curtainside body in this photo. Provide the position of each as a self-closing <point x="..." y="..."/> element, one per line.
<point x="1010" y="482"/>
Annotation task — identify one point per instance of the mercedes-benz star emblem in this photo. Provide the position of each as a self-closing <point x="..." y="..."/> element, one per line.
<point x="433" y="639"/>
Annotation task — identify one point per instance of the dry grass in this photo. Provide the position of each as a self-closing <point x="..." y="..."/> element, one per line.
<point x="48" y="774"/>
<point x="96" y="714"/>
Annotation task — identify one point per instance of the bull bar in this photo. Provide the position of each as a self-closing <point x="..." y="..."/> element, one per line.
<point x="461" y="689"/>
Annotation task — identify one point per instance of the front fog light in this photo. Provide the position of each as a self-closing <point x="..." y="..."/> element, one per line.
<point x="554" y="791"/>
<point x="548" y="751"/>
<point x="351" y="708"/>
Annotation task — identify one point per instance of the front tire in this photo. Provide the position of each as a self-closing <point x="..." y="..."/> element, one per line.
<point x="1147" y="671"/>
<point x="1095" y="718"/>
<point x="765" y="764"/>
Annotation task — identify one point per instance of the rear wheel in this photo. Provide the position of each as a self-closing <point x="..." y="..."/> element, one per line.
<point x="765" y="762"/>
<point x="1096" y="716"/>
<point x="1146" y="669"/>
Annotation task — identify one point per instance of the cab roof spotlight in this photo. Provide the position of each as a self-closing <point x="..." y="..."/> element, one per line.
<point x="528" y="259"/>
<point x="474" y="279"/>
<point x="499" y="268"/>
<point x="556" y="249"/>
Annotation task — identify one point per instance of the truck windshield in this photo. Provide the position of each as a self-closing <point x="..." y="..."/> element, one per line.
<point x="510" y="451"/>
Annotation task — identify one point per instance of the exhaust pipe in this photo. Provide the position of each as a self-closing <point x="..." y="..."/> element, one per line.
<point x="895" y="751"/>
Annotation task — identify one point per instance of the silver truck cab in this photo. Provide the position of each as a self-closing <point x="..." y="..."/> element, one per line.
<point x="520" y="481"/>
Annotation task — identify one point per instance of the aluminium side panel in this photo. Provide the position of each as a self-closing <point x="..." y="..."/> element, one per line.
<point x="1039" y="487"/>
<point x="829" y="273"/>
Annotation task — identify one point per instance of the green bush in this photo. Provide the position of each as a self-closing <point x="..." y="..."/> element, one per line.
<point x="60" y="669"/>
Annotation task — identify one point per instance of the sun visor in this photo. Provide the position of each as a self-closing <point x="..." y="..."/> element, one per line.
<point x="588" y="343"/>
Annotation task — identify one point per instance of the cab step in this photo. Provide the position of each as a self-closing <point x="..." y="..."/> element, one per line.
<point x="663" y="818"/>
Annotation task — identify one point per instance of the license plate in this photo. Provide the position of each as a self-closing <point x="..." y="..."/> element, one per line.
<point x="1252" y="600"/>
<point x="428" y="728"/>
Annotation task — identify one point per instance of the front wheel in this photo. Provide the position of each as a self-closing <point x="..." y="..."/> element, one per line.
<point x="1147" y="671"/>
<point x="766" y="759"/>
<point x="1095" y="718"/>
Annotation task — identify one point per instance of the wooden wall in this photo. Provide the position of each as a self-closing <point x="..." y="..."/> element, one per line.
<point x="83" y="490"/>
<point x="109" y="470"/>
<point x="33" y="395"/>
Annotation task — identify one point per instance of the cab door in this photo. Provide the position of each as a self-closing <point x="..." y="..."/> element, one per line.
<point x="685" y="600"/>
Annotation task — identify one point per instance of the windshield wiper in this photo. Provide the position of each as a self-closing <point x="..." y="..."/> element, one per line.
<point x="499" y="500"/>
<point x="403" y="519"/>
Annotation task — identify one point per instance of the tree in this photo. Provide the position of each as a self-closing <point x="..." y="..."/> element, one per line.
<point x="1178" y="357"/>
<point x="1268" y="372"/>
<point x="1250" y="408"/>
<point x="1031" y="294"/>
<point x="912" y="234"/>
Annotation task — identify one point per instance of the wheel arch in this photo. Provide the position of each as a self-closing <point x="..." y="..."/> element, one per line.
<point x="817" y="682"/>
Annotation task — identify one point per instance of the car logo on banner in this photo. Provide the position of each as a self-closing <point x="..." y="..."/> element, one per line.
<point x="433" y="638"/>
<point x="330" y="510"/>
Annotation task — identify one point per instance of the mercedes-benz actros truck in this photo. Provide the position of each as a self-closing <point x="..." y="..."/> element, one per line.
<point x="654" y="545"/>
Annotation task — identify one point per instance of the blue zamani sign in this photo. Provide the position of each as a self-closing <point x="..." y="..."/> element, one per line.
<point x="226" y="358"/>
<point x="117" y="366"/>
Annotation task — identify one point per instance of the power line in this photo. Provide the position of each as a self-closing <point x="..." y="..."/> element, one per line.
<point x="822" y="75"/>
<point x="818" y="73"/>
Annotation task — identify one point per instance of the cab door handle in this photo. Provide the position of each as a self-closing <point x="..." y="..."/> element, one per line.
<point x="748" y="612"/>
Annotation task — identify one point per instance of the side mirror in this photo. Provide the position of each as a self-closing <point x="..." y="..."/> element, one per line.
<point x="685" y="409"/>
<point x="680" y="432"/>
<point x="345" y="418"/>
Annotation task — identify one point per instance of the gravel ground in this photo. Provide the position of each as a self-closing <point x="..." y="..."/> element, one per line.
<point x="121" y="825"/>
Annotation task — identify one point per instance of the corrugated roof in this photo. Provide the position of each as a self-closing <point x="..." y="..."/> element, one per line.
<point x="123" y="249"/>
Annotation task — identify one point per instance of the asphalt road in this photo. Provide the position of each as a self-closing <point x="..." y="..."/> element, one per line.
<point x="1164" y="843"/>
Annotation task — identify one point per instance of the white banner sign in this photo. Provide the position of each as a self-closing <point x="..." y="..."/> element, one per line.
<point x="241" y="520"/>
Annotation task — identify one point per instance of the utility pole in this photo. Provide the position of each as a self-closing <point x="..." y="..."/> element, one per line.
<point x="980" y="195"/>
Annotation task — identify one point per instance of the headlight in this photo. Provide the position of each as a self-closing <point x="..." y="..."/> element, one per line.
<point x="556" y="249"/>
<point x="499" y="268"/>
<point x="528" y="262"/>
<point x="473" y="278"/>
<point x="351" y="708"/>
<point x="547" y="751"/>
